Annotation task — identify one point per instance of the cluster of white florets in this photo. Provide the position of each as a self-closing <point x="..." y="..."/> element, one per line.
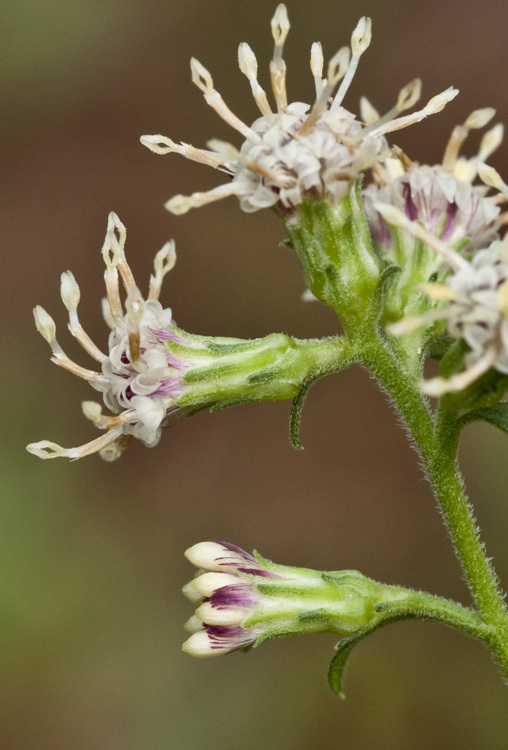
<point x="442" y="198"/>
<point x="299" y="151"/>
<point x="453" y="210"/>
<point x="473" y="301"/>
<point x="140" y="378"/>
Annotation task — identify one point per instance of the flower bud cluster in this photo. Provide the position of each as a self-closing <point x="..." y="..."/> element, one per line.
<point x="243" y="600"/>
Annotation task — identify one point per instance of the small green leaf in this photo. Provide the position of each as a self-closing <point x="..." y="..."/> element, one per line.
<point x="338" y="663"/>
<point x="487" y="391"/>
<point x="296" y="414"/>
<point x="495" y="415"/>
<point x="385" y="279"/>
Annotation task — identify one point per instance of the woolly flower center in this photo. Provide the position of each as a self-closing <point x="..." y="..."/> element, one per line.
<point x="287" y="164"/>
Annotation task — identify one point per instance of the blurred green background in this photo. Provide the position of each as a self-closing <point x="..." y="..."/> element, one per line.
<point x="91" y="553"/>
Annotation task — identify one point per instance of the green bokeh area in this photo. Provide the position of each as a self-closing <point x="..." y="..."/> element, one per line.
<point x="91" y="554"/>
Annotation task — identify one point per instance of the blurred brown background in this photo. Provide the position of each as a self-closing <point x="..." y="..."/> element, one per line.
<point x="92" y="554"/>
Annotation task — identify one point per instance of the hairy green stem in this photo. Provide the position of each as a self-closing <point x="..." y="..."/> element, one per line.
<point x="436" y="441"/>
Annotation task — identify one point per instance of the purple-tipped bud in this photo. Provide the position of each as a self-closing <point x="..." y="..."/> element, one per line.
<point x="244" y="599"/>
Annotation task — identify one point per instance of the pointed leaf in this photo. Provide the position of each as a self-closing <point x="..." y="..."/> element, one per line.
<point x="495" y="415"/>
<point x="338" y="663"/>
<point x="296" y="414"/>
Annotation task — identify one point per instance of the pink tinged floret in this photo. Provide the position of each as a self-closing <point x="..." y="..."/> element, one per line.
<point x="140" y="379"/>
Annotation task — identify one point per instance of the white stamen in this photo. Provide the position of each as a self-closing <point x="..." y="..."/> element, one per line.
<point x="368" y="113"/>
<point x="47" y="449"/>
<point x="280" y="29"/>
<point x="439" y="386"/>
<point x="249" y="67"/>
<point x="336" y="70"/>
<point x="433" y="106"/>
<point x="408" y="96"/>
<point x="181" y="204"/>
<point x="70" y="293"/>
<point x="159" y="144"/>
<point x="395" y="216"/>
<point x="360" y="40"/>
<point x="163" y="263"/>
<point x="316" y="66"/>
<point x="45" y="325"/>
<point x="479" y="118"/>
<point x="491" y="141"/>
<point x="492" y="178"/>
<point x="203" y="80"/>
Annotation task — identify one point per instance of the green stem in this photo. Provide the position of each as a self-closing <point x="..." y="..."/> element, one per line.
<point x="437" y="445"/>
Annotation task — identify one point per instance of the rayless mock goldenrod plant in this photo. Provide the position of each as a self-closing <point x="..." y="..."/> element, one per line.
<point x="414" y="261"/>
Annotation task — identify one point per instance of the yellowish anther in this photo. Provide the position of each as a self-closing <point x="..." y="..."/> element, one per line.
<point x="479" y="118"/>
<point x="114" y="450"/>
<point x="249" y="67"/>
<point x="362" y="36"/>
<point x="337" y="67"/>
<point x="439" y="292"/>
<point x="46" y="449"/>
<point x="92" y="410"/>
<point x="69" y="291"/>
<point x="116" y="227"/>
<point x="436" y="104"/>
<point x="280" y="28"/>
<point x="163" y="262"/>
<point x="111" y="251"/>
<point x="491" y="177"/>
<point x="439" y="102"/>
<point x="247" y="61"/>
<point x="491" y="141"/>
<point x="201" y="77"/>
<point x="502" y="298"/>
<point x="159" y="144"/>
<point x="409" y="95"/>
<point x="317" y="61"/>
<point x="368" y="113"/>
<point x="165" y="259"/>
<point x="45" y="324"/>
<point x="179" y="204"/>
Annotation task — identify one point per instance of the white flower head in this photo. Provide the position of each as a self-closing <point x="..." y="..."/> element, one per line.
<point x="298" y="151"/>
<point x="139" y="377"/>
<point x="442" y="197"/>
<point x="475" y="299"/>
